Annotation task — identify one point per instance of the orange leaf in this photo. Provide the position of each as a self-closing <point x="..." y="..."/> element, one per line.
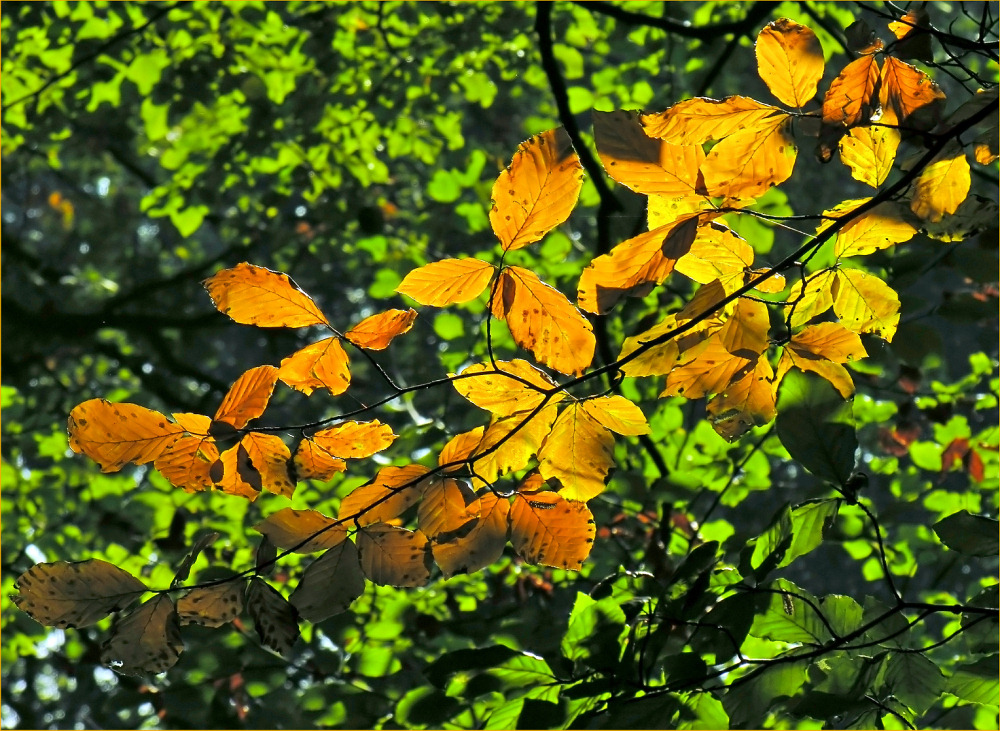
<point x="578" y="452"/>
<point x="211" y="606"/>
<point x="393" y="490"/>
<point x="499" y="393"/>
<point x="848" y="101"/>
<point x="392" y="556"/>
<point x="115" y="434"/>
<point x="447" y="505"/>
<point x="287" y="528"/>
<point x="790" y="61"/>
<point x="634" y="266"/>
<point x="538" y="191"/>
<point x="460" y="447"/>
<point x="544" y="322"/>
<point x="497" y="454"/>
<point x="447" y="281"/>
<point x="747" y="401"/>
<point x="253" y="295"/>
<point x="248" y="396"/>
<point x="377" y="331"/>
<point x="942" y="185"/>
<point x="547" y="529"/>
<point x="146" y="640"/>
<point x="643" y="164"/>
<point x="481" y="546"/>
<point x="322" y="364"/>
<point x="880" y="228"/>
<point x="657" y="360"/>
<point x="354" y="439"/>
<point x="745" y="332"/>
<point x="870" y="152"/>
<point x="267" y="466"/>
<point x="905" y="90"/>
<point x="312" y="462"/>
<point x="234" y="473"/>
<point x="746" y="164"/>
<point x="186" y="463"/>
<point x="821" y="349"/>
<point x="617" y="414"/>
<point x="704" y="369"/>
<point x="699" y="120"/>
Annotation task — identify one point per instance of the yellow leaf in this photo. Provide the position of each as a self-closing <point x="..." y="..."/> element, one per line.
<point x="745" y="332"/>
<point x="544" y="322"/>
<point x="115" y="434"/>
<point x="253" y="295"/>
<point x="510" y="442"/>
<point x="635" y="266"/>
<point x="269" y="457"/>
<point x="942" y="185"/>
<point x="663" y="210"/>
<point x="273" y="617"/>
<point x="747" y="401"/>
<point x="393" y="490"/>
<point x="460" y="447"/>
<point x="813" y="298"/>
<point x="772" y="285"/>
<point x="643" y="164"/>
<point x="905" y="90"/>
<point x="322" y="364"/>
<point x="393" y="556"/>
<point x="717" y="253"/>
<point x="578" y="452"/>
<point x="746" y="164"/>
<point x="148" y="640"/>
<point x="377" y="331"/>
<point x="248" y="396"/>
<point x="501" y="394"/>
<point x="658" y="359"/>
<point x="538" y="191"/>
<point x="288" y="528"/>
<point x="913" y="34"/>
<point x="481" y="546"/>
<point x="313" y="462"/>
<point x="870" y="152"/>
<point x="865" y="304"/>
<point x="447" y="505"/>
<point x="821" y="349"/>
<point x="354" y="439"/>
<point x="211" y="606"/>
<point x="618" y="414"/>
<point x="75" y="594"/>
<point x="849" y="98"/>
<point x="974" y="215"/>
<point x="699" y="120"/>
<point x="880" y="228"/>
<point x="330" y="584"/>
<point x="447" y="281"/>
<point x="790" y="61"/>
<point x="549" y="530"/>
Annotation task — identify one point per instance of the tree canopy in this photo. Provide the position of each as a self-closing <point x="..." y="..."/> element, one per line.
<point x="500" y="365"/>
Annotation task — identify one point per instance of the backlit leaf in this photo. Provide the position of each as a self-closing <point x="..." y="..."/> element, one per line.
<point x="211" y="606"/>
<point x="617" y="414"/>
<point x="330" y="584"/>
<point x="821" y="349"/>
<point x="148" y="640"/>
<point x="538" y="191"/>
<point x="322" y="364"/>
<point x="746" y="331"/>
<point x="790" y="61"/>
<point x="942" y="185"/>
<point x="510" y="442"/>
<point x="460" y="447"/>
<point x="870" y="152"/>
<point x="849" y="100"/>
<point x="699" y="120"/>
<point x="905" y="90"/>
<point x="253" y="295"/>
<point x="75" y="594"/>
<point x="578" y="452"/>
<point x="393" y="556"/>
<point x="115" y="434"/>
<point x="354" y="439"/>
<point x="447" y="505"/>
<point x="270" y="456"/>
<point x="865" y="304"/>
<point x="187" y="462"/>
<point x="549" y="530"/>
<point x="248" y="396"/>
<point x="393" y="490"/>
<point x="747" y="401"/>
<point x="288" y="528"/>
<point x="544" y="322"/>
<point x="482" y="545"/>
<point x="880" y="228"/>
<point x="746" y="164"/>
<point x="974" y="215"/>
<point x="811" y="298"/>
<point x="234" y="473"/>
<point x="447" y="281"/>
<point x="377" y="331"/>
<point x="275" y="620"/>
<point x="501" y="394"/>
<point x="313" y="462"/>
<point x="704" y="369"/>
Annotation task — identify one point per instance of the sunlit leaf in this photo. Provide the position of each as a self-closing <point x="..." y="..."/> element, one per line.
<point x="538" y="191"/>
<point x="234" y="473"/>
<point x="460" y="447"/>
<point x="187" y="462"/>
<point x="270" y="456"/>
<point x="746" y="164"/>
<point x="746" y="331"/>
<point x="510" y="442"/>
<point x="869" y="152"/>
<point x="913" y="35"/>
<point x="549" y="530"/>
<point x="617" y="414"/>
<point x="211" y="606"/>
<point x="849" y="100"/>
<point x="312" y="462"/>
<point x="393" y="556"/>
<point x="705" y="369"/>
<point x="275" y="620"/>
<point x="248" y="396"/>
<point x="393" y="490"/>
<point x="865" y="304"/>
<point x="747" y="401"/>
<point x="578" y="452"/>
<point x="821" y="349"/>
<point x="253" y="295"/>
<point x="447" y="281"/>
<point x="322" y="364"/>
<point x="975" y="214"/>
<point x="501" y="394"/>
<point x="447" y="505"/>
<point x="790" y="61"/>
<point x="812" y="297"/>
<point x="481" y="546"/>
<point x="377" y="331"/>
<point x="75" y="594"/>
<point x="943" y="185"/>
<point x="699" y="120"/>
<point x="905" y="89"/>
<point x="148" y="640"/>
<point x="115" y="434"/>
<point x="330" y="584"/>
<point x="354" y="439"/>
<point x="880" y="228"/>
<point x="296" y="529"/>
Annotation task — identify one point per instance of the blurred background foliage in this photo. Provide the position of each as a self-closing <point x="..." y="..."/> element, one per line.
<point x="146" y="145"/>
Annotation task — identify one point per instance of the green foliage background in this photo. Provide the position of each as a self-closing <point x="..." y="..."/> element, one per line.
<point x="346" y="144"/>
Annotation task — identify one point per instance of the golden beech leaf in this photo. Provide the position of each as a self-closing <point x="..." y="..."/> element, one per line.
<point x="643" y="164"/>
<point x="748" y="163"/>
<point x="851" y="95"/>
<point x="393" y="556"/>
<point x="354" y="439"/>
<point x="664" y="210"/>
<point x="942" y="185"/>
<point x="248" y="396"/>
<point x="377" y="331"/>
<point x="211" y="606"/>
<point x="447" y="281"/>
<point x="147" y="640"/>
<point x="869" y="152"/>
<point x="460" y="447"/>
<point x="974" y="215"/>
<point x="578" y="452"/>
<point x="618" y="414"/>
<point x="745" y="332"/>
<point x="330" y="585"/>
<point x="447" y="505"/>
<point x="544" y="322"/>
<point x="187" y="462"/>
<point x="880" y="228"/>
<point x="253" y="295"/>
<point x="75" y="594"/>
<point x="772" y="285"/>
<point x="393" y="490"/>
<point x="658" y="359"/>
<point x="699" y="120"/>
<point x="501" y="394"/>
<point x="913" y="34"/>
<point x="312" y="462"/>
<point x="481" y="546"/>
<point x="747" y="401"/>
<point x="865" y="304"/>
<point x="705" y="369"/>
<point x="296" y="529"/>
<point x="549" y="530"/>
<point x="538" y="191"/>
<point x="821" y="348"/>
<point x="115" y="434"/>
<point x="234" y="474"/>
<point x="905" y="90"/>
<point x="717" y="253"/>
<point x="275" y="620"/>
<point x="790" y="61"/>
<point x="812" y="298"/>
<point x="269" y="456"/>
<point x="510" y="442"/>
<point x="322" y="364"/>
<point x="635" y="266"/>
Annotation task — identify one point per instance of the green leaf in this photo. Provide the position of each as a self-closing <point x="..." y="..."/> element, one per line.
<point x="748" y="703"/>
<point x="595" y="632"/>
<point x="976" y="683"/>
<point x="425" y="707"/>
<point x="809" y="525"/>
<point x="790" y="617"/>
<point x="973" y="535"/>
<point x="733" y="616"/>
<point x="816" y="426"/>
<point x="912" y="678"/>
<point x="640" y="713"/>
<point x="540" y="714"/>
<point x="770" y="548"/>
<point x="479" y="658"/>
<point x="843" y="613"/>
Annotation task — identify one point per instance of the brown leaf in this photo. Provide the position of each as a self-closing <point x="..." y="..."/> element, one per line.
<point x="331" y="583"/>
<point x="275" y="620"/>
<point x="288" y="528"/>
<point x="447" y="505"/>
<point x="314" y="462"/>
<point x="393" y="490"/>
<point x="253" y="295"/>
<point x="147" y="640"/>
<point x="269" y="457"/>
<point x="212" y="606"/>
<point x="393" y="556"/>
<point x="850" y="98"/>
<point x="905" y="90"/>
<point x="115" y="434"/>
<point x="481" y="546"/>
